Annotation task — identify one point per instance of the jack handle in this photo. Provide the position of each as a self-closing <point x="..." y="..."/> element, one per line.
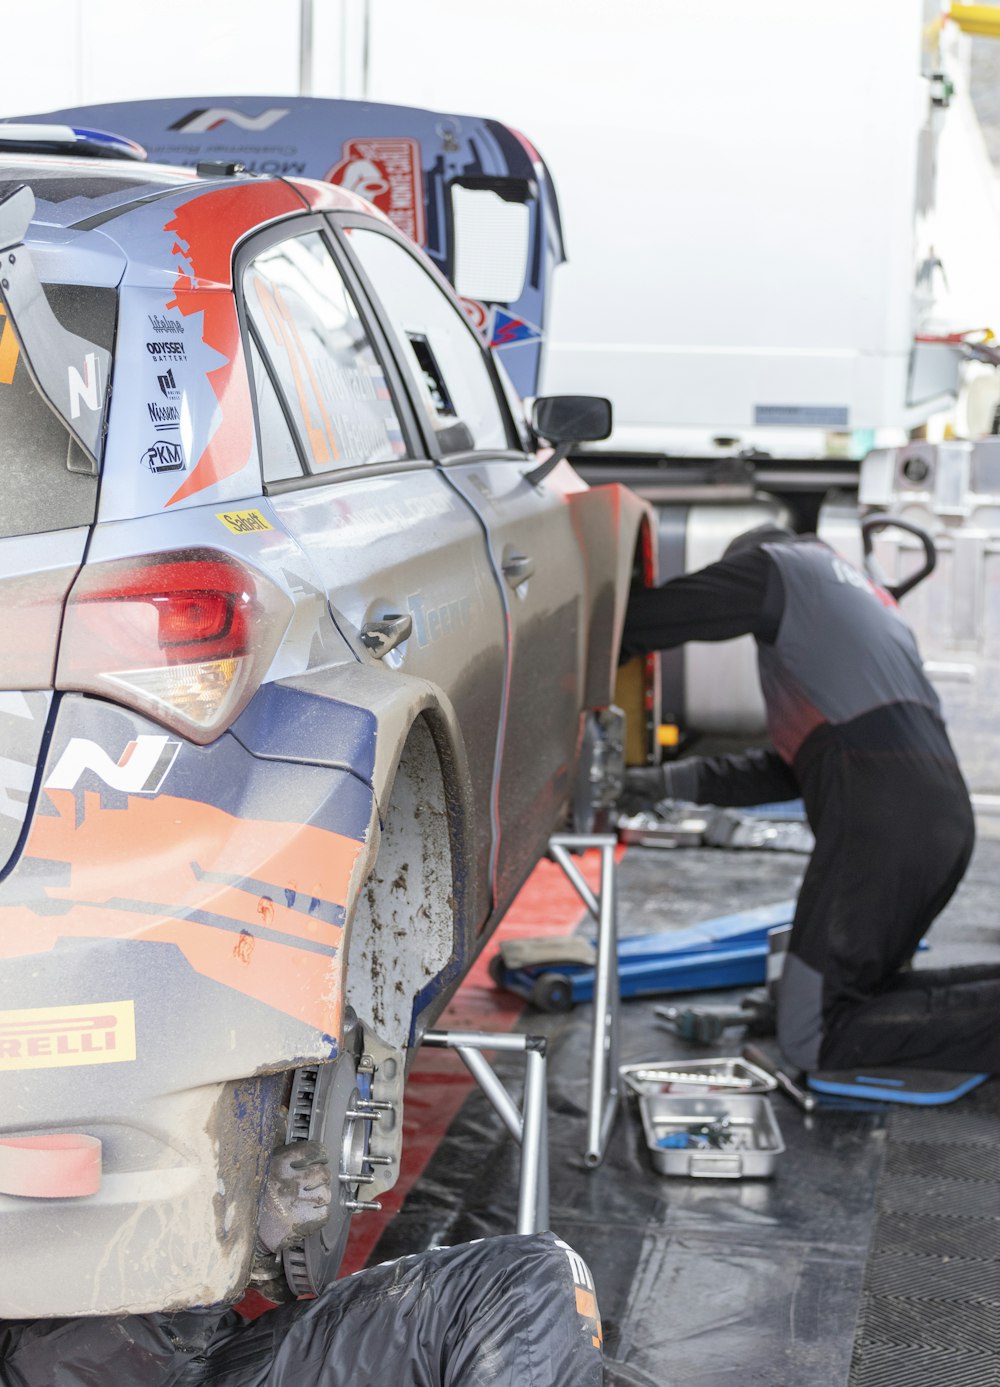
<point x="869" y="527"/>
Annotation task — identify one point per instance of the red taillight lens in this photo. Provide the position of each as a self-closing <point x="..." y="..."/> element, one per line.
<point x="188" y="619"/>
<point x="185" y="637"/>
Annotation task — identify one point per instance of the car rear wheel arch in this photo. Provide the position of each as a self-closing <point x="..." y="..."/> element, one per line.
<point x="414" y="917"/>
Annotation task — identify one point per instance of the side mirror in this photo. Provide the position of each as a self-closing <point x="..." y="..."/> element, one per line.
<point x="571" y="418"/>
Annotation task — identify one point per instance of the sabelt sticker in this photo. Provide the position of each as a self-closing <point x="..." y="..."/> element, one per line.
<point x="243" y="522"/>
<point x="59" y="1037"/>
<point x="388" y="173"/>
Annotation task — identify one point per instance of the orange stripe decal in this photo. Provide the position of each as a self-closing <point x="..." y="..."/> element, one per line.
<point x="269" y="944"/>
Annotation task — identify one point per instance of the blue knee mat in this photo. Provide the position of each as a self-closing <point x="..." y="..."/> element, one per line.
<point x="926" y="1087"/>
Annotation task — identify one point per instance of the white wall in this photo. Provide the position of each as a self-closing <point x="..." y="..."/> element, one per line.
<point x="70" y="52"/>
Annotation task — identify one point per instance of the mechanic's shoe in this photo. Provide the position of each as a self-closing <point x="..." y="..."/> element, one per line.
<point x="297" y="1196"/>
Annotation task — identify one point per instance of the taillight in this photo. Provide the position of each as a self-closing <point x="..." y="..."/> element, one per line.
<point x="186" y="637"/>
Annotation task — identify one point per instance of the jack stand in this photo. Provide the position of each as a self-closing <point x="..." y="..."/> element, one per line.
<point x="529" y="1128"/>
<point x="605" y="1093"/>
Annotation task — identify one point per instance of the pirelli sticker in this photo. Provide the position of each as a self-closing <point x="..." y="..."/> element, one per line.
<point x="243" y="522"/>
<point x="60" y="1037"/>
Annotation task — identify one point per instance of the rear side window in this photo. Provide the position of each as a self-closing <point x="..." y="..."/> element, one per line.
<point x="443" y="353"/>
<point x="324" y="364"/>
<point x="46" y="481"/>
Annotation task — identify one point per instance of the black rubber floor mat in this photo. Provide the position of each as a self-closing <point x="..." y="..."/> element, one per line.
<point x="930" y="1307"/>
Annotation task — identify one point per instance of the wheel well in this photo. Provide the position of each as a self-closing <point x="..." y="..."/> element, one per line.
<point x="403" y="934"/>
<point x="636" y="682"/>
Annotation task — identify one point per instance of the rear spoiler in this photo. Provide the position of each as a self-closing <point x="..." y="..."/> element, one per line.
<point x="70" y="372"/>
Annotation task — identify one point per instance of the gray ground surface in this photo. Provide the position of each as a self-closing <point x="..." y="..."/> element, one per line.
<point x="725" y="1283"/>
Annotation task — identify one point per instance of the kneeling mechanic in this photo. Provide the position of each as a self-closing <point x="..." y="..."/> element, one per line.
<point x="857" y="733"/>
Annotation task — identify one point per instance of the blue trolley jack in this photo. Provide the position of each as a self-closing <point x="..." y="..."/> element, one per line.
<point x="728" y="951"/>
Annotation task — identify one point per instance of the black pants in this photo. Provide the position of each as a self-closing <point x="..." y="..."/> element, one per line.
<point x="505" y="1312"/>
<point x="894" y="834"/>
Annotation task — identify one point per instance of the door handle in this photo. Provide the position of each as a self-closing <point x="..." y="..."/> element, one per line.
<point x="517" y="569"/>
<point x="382" y="636"/>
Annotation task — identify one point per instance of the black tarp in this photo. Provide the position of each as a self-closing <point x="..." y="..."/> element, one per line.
<point x="511" y="1311"/>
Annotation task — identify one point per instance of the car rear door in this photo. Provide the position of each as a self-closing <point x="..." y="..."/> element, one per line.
<point x="533" y="547"/>
<point x="347" y="475"/>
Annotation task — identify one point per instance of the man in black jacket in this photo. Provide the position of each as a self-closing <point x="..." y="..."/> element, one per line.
<point x="857" y="733"/>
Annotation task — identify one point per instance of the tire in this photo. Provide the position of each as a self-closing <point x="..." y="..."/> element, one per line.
<point x="552" y="992"/>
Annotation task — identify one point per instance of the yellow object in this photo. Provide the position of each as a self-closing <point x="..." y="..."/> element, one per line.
<point x="982" y="20"/>
<point x="58" y="1037"/>
<point x="630" y="697"/>
<point x="668" y="734"/>
<point x="243" y="522"/>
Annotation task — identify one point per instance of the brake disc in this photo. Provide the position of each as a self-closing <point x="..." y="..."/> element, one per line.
<point x="336" y="1104"/>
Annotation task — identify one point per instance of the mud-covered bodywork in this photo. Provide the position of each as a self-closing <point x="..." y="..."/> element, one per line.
<point x="277" y="746"/>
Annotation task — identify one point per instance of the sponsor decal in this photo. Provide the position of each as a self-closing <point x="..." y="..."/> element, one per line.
<point x="159" y="323"/>
<point x="276" y="168"/>
<point x="431" y="623"/>
<point x="388" y="173"/>
<point x="844" y="573"/>
<point x="140" y="770"/>
<point x="211" y="117"/>
<point x="59" y="1037"/>
<point x="203" y="230"/>
<point x="506" y="330"/>
<point x="477" y="313"/>
<point x="164" y="455"/>
<point x="85" y="389"/>
<point x="167" y="384"/>
<point x="243" y="522"/>
<point x="173" y="351"/>
<point x="9" y="349"/>
<point x="163" y="417"/>
<point x="586" y="1298"/>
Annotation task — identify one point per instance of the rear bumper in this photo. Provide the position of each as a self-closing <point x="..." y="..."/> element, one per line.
<point x="172" y="1224"/>
<point x="159" y="944"/>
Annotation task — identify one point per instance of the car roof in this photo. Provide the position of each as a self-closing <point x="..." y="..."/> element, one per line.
<point x="62" y="183"/>
<point x="133" y="204"/>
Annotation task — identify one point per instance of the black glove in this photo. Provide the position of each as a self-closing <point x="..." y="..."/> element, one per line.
<point x="646" y="786"/>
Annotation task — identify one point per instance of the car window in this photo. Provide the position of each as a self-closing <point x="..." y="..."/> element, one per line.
<point x="325" y="366"/>
<point x="445" y="357"/>
<point x="46" y="481"/>
<point x="279" y="456"/>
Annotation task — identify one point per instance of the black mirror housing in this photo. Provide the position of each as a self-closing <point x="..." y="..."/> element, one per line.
<point x="571" y="418"/>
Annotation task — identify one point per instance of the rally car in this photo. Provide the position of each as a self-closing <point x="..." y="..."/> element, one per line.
<point x="310" y="646"/>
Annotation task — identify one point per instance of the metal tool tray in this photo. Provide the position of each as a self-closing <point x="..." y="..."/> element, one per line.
<point x="756" y="1145"/>
<point x="712" y="1076"/>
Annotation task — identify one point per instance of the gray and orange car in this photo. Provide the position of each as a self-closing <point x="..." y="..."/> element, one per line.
<point x="310" y="645"/>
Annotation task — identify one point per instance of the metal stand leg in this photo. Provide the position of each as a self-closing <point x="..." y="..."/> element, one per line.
<point x="604" y="1088"/>
<point x="530" y="1128"/>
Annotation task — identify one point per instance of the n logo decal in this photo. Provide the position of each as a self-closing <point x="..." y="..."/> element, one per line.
<point x="85" y="389"/>
<point x="141" y="769"/>
<point x="198" y="122"/>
